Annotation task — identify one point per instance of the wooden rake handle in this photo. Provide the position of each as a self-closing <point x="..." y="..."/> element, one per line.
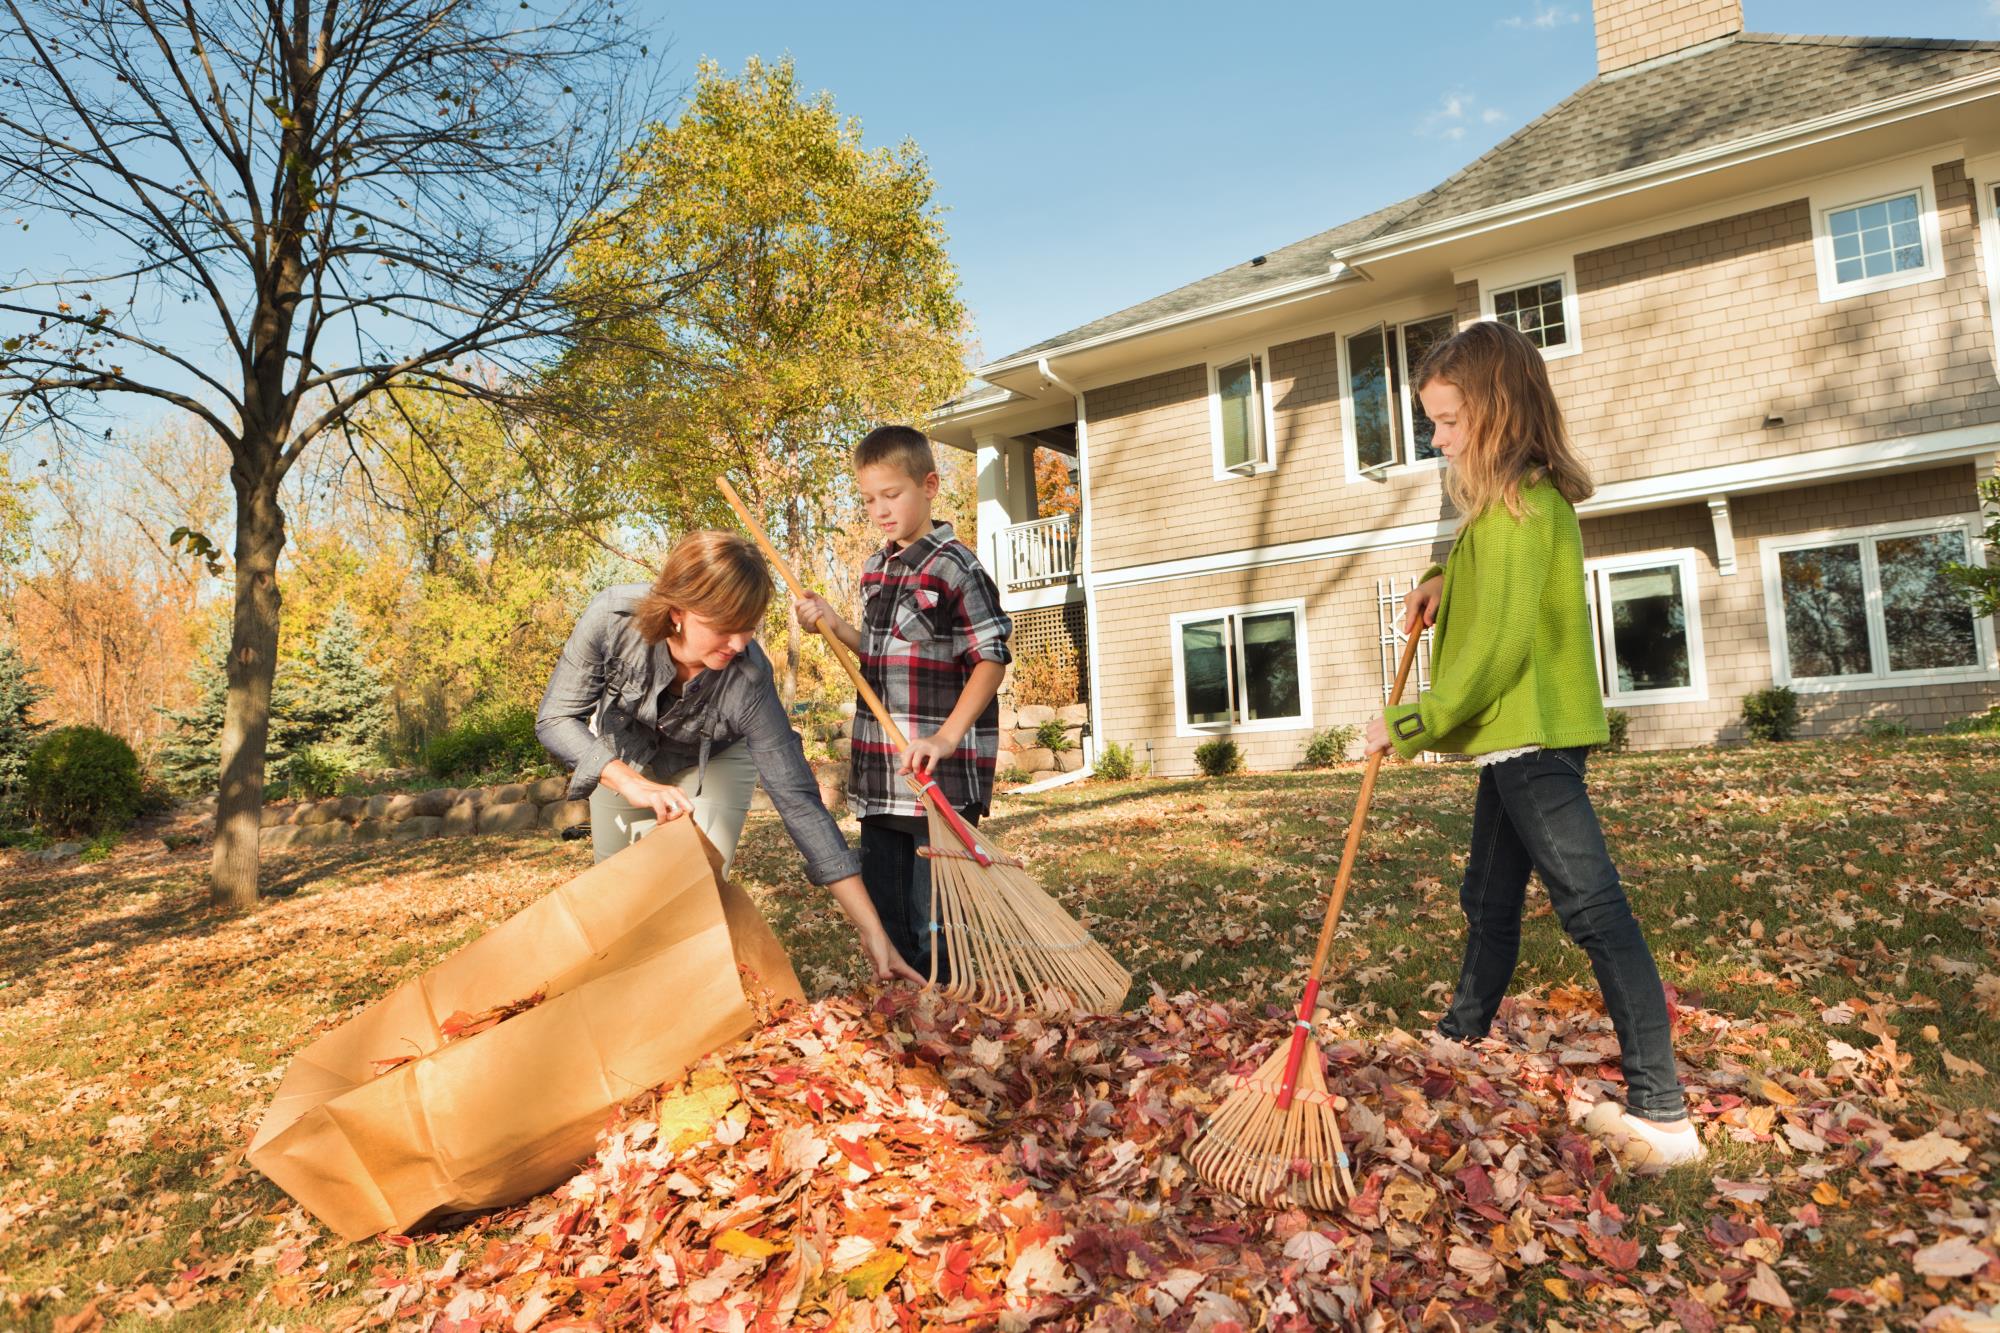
<point x="1302" y="1027"/>
<point x="926" y="786"/>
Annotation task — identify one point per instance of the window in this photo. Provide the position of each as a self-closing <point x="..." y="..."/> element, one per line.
<point x="1875" y="231"/>
<point x="1240" y="416"/>
<point x="1873" y="607"/>
<point x="1241" y="669"/>
<point x="1390" y="428"/>
<point x="1537" y="310"/>
<point x="1645" y="614"/>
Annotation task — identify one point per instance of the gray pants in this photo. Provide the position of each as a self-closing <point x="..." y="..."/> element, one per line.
<point x="616" y="823"/>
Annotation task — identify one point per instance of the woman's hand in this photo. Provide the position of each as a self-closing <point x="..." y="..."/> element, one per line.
<point x="667" y="802"/>
<point x="1377" y="739"/>
<point x="888" y="964"/>
<point x="1420" y="604"/>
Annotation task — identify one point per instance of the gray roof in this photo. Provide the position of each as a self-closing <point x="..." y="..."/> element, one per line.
<point x="1705" y="97"/>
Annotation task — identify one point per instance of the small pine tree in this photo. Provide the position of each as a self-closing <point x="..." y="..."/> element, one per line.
<point x="190" y="756"/>
<point x="345" y="701"/>
<point x="18" y="694"/>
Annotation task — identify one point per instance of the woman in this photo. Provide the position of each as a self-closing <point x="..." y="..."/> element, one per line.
<point x="663" y="706"/>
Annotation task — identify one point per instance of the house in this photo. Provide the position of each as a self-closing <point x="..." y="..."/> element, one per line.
<point x="1765" y="273"/>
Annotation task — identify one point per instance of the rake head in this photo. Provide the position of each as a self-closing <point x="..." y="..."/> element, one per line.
<point x="1009" y="945"/>
<point x="1263" y="1154"/>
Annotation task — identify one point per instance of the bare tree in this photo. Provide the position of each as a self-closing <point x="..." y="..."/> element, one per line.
<point x="351" y="193"/>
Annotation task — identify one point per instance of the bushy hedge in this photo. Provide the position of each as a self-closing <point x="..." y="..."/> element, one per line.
<point x="1114" y="763"/>
<point x="1771" y="715"/>
<point x="81" y="780"/>
<point x="489" y="742"/>
<point x="1218" y="757"/>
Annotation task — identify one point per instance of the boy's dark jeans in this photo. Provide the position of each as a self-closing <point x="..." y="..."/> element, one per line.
<point x="899" y="884"/>
<point x="1534" y="814"/>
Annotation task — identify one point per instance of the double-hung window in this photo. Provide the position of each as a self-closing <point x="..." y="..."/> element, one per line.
<point x="1645" y="614"/>
<point x="1390" y="428"/>
<point x="1241" y="669"/>
<point x="1240" y="415"/>
<point x="1873" y="606"/>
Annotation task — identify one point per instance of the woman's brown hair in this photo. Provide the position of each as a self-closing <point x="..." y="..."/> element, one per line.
<point x="718" y="576"/>
<point x="1514" y="433"/>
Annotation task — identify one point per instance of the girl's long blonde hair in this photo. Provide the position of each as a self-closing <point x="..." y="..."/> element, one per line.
<point x="1514" y="433"/>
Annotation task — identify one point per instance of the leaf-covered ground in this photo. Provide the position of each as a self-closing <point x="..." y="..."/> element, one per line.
<point x="1829" y="916"/>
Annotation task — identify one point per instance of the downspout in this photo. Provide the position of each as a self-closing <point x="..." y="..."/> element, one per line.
<point x="1050" y="378"/>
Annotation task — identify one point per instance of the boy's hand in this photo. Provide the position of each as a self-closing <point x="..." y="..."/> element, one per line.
<point x="810" y="610"/>
<point x="1377" y="739"/>
<point x="1420" y="604"/>
<point x="926" y="752"/>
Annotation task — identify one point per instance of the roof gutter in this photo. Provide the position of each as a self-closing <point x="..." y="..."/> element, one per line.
<point x="1270" y="295"/>
<point x="1785" y="139"/>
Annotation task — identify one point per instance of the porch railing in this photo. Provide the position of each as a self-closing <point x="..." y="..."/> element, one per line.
<point x="1040" y="553"/>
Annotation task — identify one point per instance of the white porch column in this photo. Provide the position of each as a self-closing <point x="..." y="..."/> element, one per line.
<point x="990" y="460"/>
<point x="1021" y="481"/>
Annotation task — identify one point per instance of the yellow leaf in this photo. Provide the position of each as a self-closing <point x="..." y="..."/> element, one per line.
<point x="742" y="1243"/>
<point x="1558" y="1287"/>
<point x="1776" y="1093"/>
<point x="1825" y="1195"/>
<point x="869" y="1280"/>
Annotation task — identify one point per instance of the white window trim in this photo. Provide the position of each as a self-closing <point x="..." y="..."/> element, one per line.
<point x="1985" y="176"/>
<point x="1303" y="722"/>
<point x="1987" y="668"/>
<point x="1684" y="559"/>
<point x="1226" y="357"/>
<point x="1349" y="452"/>
<point x="1839" y="193"/>
<point x="1572" y="322"/>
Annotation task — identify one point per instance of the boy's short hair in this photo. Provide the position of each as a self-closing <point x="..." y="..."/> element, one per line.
<point x="903" y="447"/>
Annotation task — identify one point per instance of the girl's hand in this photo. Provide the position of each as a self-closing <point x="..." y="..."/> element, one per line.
<point x="1377" y="739"/>
<point x="1420" y="604"/>
<point x="667" y="803"/>
<point x="888" y="964"/>
<point x="923" y="754"/>
<point x="810" y="610"/>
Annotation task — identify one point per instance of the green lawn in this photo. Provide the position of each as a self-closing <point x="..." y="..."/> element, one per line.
<point x="141" y="1033"/>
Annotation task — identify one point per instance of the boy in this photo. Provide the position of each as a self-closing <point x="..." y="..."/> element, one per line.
<point x="933" y="645"/>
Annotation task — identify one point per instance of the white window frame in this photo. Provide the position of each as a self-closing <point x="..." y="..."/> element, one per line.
<point x="1525" y="270"/>
<point x="1596" y="588"/>
<point x="1267" y="417"/>
<point x="1406" y="417"/>
<point x="1858" y="190"/>
<point x="1986" y="668"/>
<point x="1303" y="722"/>
<point x="1985" y="175"/>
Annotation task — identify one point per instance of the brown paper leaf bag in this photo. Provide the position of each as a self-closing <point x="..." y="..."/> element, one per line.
<point x="636" y="958"/>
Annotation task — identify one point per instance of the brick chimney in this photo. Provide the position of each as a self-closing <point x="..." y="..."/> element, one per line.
<point x="1631" y="31"/>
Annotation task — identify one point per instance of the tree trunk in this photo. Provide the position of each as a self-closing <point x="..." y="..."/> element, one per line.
<point x="253" y="661"/>
<point x="791" y="694"/>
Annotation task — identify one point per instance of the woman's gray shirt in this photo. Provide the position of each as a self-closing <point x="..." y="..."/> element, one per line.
<point x="609" y="674"/>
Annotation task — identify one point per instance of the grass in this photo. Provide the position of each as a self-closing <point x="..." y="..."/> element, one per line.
<point x="142" y="1032"/>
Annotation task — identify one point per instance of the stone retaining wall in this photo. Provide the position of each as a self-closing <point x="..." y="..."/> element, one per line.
<point x="1020" y="740"/>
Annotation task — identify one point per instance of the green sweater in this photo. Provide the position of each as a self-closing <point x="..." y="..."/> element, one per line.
<point x="1511" y="661"/>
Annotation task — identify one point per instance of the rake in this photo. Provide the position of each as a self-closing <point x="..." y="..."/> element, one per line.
<point x="1011" y="947"/>
<point x="1276" y="1139"/>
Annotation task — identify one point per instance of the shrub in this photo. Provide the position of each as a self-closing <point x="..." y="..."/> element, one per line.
<point x="1330" y="747"/>
<point x="318" y="770"/>
<point x="81" y="780"/>
<point x="1048" y="679"/>
<point x="1054" y="736"/>
<point x="1011" y="774"/>
<point x="1114" y="763"/>
<point x="1218" y="757"/>
<point x="1884" y="729"/>
<point x="1771" y="715"/>
<point x="1620" y="723"/>
<point x="497" y="741"/>
<point x="1979" y="724"/>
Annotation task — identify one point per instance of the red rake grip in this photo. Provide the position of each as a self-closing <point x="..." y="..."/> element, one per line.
<point x="1296" y="1056"/>
<point x="927" y="788"/>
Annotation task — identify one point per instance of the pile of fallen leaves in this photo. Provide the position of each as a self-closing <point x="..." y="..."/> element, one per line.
<point x="904" y="1162"/>
<point x="461" y="1024"/>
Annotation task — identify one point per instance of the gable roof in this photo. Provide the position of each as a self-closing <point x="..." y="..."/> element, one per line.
<point x="1708" y="96"/>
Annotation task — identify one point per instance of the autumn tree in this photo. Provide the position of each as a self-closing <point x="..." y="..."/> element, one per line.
<point x="832" y="306"/>
<point x="336" y="196"/>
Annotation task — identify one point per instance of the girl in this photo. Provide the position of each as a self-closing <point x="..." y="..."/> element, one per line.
<point x="1514" y="684"/>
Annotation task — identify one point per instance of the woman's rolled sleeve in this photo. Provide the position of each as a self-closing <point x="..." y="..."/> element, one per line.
<point x="562" y="723"/>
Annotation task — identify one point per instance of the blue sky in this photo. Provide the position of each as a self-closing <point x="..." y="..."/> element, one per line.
<point x="1095" y="158"/>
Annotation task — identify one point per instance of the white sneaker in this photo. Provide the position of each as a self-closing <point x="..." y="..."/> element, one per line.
<point x="1646" y="1146"/>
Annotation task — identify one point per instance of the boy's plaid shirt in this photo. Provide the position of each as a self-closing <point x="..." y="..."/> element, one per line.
<point x="929" y="614"/>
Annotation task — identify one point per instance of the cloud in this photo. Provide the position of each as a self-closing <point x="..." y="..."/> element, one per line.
<point x="1455" y="112"/>
<point x="1549" y="17"/>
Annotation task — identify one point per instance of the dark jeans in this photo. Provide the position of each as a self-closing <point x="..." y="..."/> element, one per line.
<point x="1534" y="814"/>
<point x="899" y="884"/>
